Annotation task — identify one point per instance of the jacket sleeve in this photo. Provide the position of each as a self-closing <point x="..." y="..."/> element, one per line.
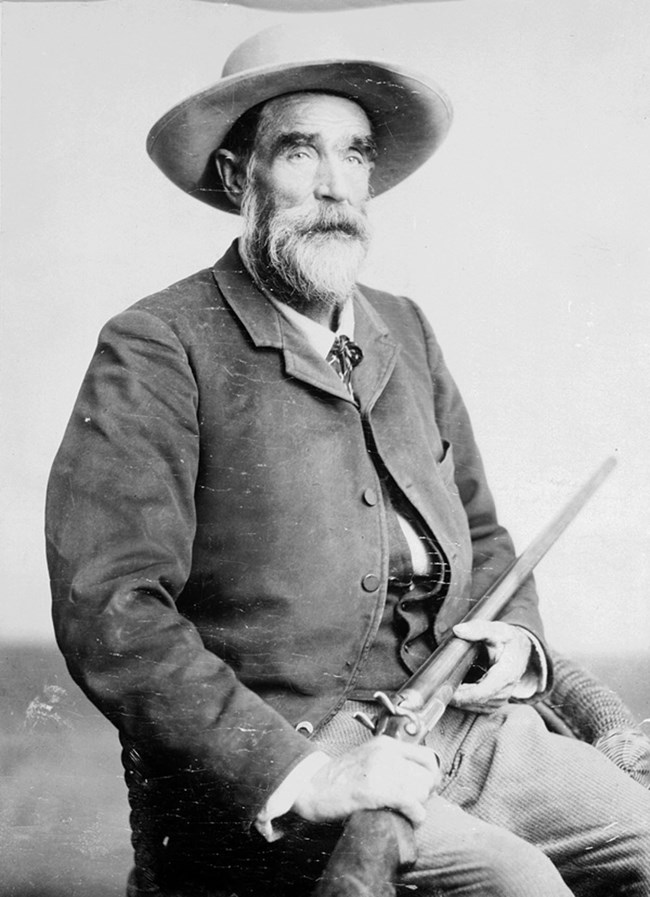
<point x="492" y="547"/>
<point x="120" y="524"/>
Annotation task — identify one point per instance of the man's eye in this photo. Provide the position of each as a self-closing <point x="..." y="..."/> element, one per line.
<point x="299" y="155"/>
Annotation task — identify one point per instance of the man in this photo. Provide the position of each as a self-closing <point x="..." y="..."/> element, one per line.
<point x="269" y="504"/>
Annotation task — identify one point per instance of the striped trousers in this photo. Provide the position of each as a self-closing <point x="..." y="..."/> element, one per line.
<point x="521" y="812"/>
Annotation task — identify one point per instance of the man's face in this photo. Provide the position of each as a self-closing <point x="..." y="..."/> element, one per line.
<point x="314" y="149"/>
<point x="304" y="208"/>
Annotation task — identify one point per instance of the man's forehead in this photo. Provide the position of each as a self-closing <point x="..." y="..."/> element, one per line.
<point x="313" y="113"/>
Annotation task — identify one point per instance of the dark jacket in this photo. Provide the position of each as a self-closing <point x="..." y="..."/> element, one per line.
<point x="217" y="539"/>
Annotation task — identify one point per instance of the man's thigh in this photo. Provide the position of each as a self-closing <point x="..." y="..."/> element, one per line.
<point x="557" y="794"/>
<point x="463" y="856"/>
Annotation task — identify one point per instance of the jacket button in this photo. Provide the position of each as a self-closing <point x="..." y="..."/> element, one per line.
<point x="370" y="582"/>
<point x="370" y="497"/>
<point x="305" y="727"/>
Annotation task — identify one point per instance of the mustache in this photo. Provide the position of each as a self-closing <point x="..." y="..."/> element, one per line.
<point x="328" y="220"/>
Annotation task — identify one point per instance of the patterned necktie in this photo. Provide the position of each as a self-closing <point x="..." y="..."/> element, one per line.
<point x="343" y="357"/>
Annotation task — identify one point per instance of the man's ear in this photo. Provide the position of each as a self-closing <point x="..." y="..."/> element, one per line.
<point x="232" y="175"/>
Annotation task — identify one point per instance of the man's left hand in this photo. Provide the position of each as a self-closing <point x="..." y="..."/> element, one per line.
<point x="508" y="649"/>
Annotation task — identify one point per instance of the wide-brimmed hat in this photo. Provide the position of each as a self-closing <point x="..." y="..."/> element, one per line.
<point x="410" y="115"/>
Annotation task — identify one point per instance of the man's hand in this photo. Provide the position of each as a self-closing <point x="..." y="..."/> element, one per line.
<point x="508" y="649"/>
<point x="381" y="773"/>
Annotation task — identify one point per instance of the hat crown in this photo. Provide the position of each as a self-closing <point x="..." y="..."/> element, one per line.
<point x="286" y="45"/>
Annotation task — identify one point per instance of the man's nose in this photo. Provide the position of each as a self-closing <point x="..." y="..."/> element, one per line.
<point x="331" y="181"/>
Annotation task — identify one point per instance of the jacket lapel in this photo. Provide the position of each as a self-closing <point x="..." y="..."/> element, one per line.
<point x="380" y="352"/>
<point x="267" y="328"/>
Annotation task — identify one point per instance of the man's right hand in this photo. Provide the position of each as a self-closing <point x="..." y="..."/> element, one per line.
<point x="382" y="773"/>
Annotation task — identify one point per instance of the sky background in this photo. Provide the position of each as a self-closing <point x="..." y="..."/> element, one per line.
<point x="525" y="240"/>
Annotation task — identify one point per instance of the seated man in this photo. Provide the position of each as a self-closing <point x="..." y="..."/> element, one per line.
<point x="269" y="504"/>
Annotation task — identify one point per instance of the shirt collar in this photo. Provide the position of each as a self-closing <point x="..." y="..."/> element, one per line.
<point x="319" y="337"/>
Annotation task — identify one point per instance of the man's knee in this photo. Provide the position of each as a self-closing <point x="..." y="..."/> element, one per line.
<point x="634" y="861"/>
<point x="497" y="864"/>
<point x="519" y="870"/>
<point x="621" y="856"/>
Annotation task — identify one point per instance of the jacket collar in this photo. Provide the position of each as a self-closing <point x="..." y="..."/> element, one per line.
<point x="267" y="328"/>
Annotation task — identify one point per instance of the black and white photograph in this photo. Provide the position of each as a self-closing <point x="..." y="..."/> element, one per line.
<point x="325" y="390"/>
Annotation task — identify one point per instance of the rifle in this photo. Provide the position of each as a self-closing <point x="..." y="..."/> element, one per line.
<point x="378" y="844"/>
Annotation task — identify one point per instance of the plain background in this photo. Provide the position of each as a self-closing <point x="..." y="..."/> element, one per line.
<point x="525" y="240"/>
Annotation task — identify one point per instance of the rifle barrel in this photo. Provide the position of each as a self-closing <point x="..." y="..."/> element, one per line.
<point x="497" y="596"/>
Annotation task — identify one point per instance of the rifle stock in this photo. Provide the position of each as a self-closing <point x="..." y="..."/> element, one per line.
<point x="374" y="847"/>
<point x="377" y="845"/>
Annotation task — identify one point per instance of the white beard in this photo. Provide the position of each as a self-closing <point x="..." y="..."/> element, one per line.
<point x="304" y="258"/>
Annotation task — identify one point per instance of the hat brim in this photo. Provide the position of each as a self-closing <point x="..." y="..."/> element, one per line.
<point x="409" y="114"/>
